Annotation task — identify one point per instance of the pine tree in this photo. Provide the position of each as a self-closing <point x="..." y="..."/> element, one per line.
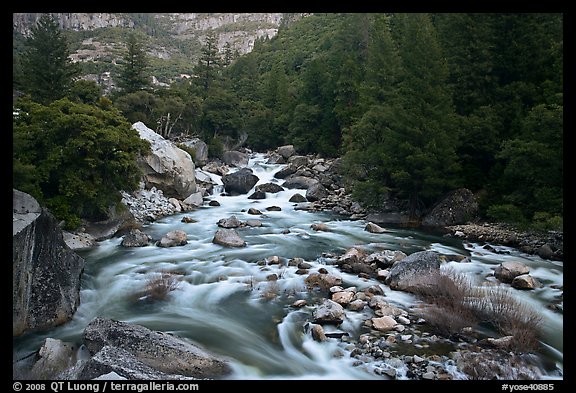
<point x="47" y="71"/>
<point x="209" y="63"/>
<point x="133" y="74"/>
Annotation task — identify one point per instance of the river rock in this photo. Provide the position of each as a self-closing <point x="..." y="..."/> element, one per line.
<point x="316" y="192"/>
<point x="374" y="228"/>
<point x="200" y="149"/>
<point x="385" y="258"/>
<point x="286" y="151"/>
<point x="230" y="222"/>
<point x="329" y="312"/>
<point x="269" y="187"/>
<point x="167" y="167"/>
<point x="135" y="238"/>
<point x="258" y="195"/>
<point x="239" y="182"/>
<point x="194" y="199"/>
<point x="254" y="211"/>
<point x="275" y="158"/>
<point x="298" y="161"/>
<point x="297" y="198"/>
<point x="45" y="272"/>
<point x="525" y="281"/>
<point x="174" y="239"/>
<point x="457" y="207"/>
<point x="122" y="363"/>
<point x="299" y="182"/>
<point x="412" y="273"/>
<point x="285" y="172"/>
<point x="161" y="351"/>
<point x="343" y="298"/>
<point x="387" y="218"/>
<point x="320" y="227"/>
<point x="55" y="356"/>
<point x="235" y="158"/>
<point x="384" y="324"/>
<point x="318" y="333"/>
<point x="228" y="238"/>
<point x="506" y="271"/>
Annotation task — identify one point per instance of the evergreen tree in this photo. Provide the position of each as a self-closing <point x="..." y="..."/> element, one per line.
<point x="47" y="71"/>
<point x="133" y="75"/>
<point x="209" y="63"/>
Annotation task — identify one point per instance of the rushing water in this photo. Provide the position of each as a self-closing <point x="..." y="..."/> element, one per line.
<point x="225" y="302"/>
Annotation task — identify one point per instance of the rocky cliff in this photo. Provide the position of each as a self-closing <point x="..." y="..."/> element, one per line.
<point x="45" y="272"/>
<point x="240" y="30"/>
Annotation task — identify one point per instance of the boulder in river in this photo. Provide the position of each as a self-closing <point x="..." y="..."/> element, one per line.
<point x="506" y="271"/>
<point x="413" y="272"/>
<point x="173" y="239"/>
<point x="135" y="238"/>
<point x="239" y="182"/>
<point x="161" y="351"/>
<point x="329" y="312"/>
<point x="228" y="238"/>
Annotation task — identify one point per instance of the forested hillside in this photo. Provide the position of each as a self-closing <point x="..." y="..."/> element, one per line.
<point x="415" y="104"/>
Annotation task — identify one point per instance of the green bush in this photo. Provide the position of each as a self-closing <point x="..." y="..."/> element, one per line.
<point x="545" y="221"/>
<point x="74" y="158"/>
<point x="507" y="213"/>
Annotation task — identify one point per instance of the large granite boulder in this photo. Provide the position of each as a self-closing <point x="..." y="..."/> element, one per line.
<point x="167" y="167"/>
<point x="414" y="273"/>
<point x="235" y="158"/>
<point x="158" y="350"/>
<point x="457" y="207"/>
<point x="45" y="272"/>
<point x="239" y="182"/>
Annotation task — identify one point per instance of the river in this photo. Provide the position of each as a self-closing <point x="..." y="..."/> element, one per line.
<point x="225" y="302"/>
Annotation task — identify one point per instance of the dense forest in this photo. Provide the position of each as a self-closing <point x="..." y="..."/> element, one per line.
<point x="415" y="104"/>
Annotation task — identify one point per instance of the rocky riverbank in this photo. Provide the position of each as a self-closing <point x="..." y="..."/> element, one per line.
<point x="547" y="245"/>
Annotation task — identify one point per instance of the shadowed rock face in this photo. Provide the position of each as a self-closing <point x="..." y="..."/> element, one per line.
<point x="45" y="272"/>
<point x="158" y="350"/>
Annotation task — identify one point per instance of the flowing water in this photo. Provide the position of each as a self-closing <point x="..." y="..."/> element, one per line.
<point x="225" y="302"/>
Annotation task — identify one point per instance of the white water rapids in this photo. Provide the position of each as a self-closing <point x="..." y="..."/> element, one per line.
<point x="226" y="304"/>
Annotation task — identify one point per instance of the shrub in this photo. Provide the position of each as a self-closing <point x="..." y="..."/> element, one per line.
<point x="159" y="286"/>
<point x="506" y="213"/>
<point x="65" y="152"/>
<point x="454" y="303"/>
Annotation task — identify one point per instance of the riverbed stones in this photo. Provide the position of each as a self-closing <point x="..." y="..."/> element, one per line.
<point x="173" y="239"/>
<point x="228" y="238"/>
<point x="230" y="222"/>
<point x="374" y="228"/>
<point x="506" y="271"/>
<point x="135" y="238"/>
<point x="297" y="198"/>
<point x="286" y="151"/>
<point x="384" y="324"/>
<point x="525" y="281"/>
<point x="163" y="352"/>
<point x="239" y="182"/>
<point x="235" y="158"/>
<point x="329" y="312"/>
<point x="413" y="273"/>
<point x="316" y="192"/>
<point x="269" y="187"/>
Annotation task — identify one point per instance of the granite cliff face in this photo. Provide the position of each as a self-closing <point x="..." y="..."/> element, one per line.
<point x="240" y="30"/>
<point x="45" y="272"/>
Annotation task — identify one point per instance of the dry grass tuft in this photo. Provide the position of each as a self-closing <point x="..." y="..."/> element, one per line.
<point x="454" y="303"/>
